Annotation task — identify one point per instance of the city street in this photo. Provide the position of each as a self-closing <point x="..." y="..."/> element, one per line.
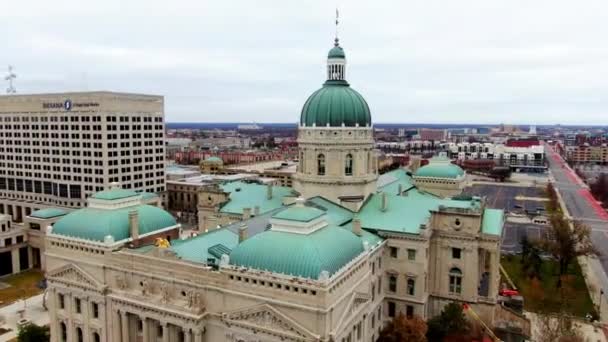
<point x="583" y="208"/>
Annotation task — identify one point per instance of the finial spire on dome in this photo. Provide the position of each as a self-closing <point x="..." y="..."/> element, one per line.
<point x="337" y="40"/>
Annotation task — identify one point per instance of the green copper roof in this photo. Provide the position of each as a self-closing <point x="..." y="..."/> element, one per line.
<point x="206" y="246"/>
<point x="327" y="249"/>
<point x="440" y="170"/>
<point x="148" y="195"/>
<point x="248" y="195"/>
<point x="336" y="214"/>
<point x="296" y="213"/>
<point x="336" y="52"/>
<point x="114" y="194"/>
<point x="390" y="181"/>
<point x="48" y="213"/>
<point x="96" y="224"/>
<point x="405" y="214"/>
<point x="336" y="103"/>
<point x="493" y="220"/>
<point x="214" y="159"/>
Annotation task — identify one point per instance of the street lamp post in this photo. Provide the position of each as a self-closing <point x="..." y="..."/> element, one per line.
<point x="600" y="305"/>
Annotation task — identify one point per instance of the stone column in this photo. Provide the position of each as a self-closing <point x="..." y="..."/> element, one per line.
<point x="15" y="259"/>
<point x="69" y="309"/>
<point x="165" y="326"/>
<point x="116" y="332"/>
<point x="145" y="329"/>
<point x="52" y="305"/>
<point x="198" y="336"/>
<point x="30" y="257"/>
<point x="494" y="277"/>
<point x="124" y="326"/>
<point x="187" y="335"/>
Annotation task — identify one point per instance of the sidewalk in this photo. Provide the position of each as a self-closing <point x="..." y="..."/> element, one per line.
<point x="34" y="312"/>
<point x="592" y="272"/>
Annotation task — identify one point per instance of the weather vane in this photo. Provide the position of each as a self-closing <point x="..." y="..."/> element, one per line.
<point x="10" y="78"/>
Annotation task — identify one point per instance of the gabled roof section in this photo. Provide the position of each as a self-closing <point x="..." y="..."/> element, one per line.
<point x="492" y="222"/>
<point x="114" y="194"/>
<point x="248" y="195"/>
<point x="297" y="213"/>
<point x="336" y="214"/>
<point x="405" y="214"/>
<point x="205" y="246"/>
<point x="389" y="182"/>
<point x="48" y="213"/>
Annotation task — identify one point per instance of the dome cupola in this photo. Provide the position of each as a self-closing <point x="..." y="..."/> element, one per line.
<point x="336" y="104"/>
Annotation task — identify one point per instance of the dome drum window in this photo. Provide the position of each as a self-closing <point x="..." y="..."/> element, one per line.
<point x="348" y="165"/>
<point x="321" y="165"/>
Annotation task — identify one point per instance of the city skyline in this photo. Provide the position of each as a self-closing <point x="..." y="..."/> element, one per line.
<point x="239" y="62"/>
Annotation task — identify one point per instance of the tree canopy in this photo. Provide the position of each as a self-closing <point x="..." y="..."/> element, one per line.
<point x="33" y="333"/>
<point x="402" y="328"/>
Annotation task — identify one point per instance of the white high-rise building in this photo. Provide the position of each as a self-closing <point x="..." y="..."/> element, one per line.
<point x="57" y="149"/>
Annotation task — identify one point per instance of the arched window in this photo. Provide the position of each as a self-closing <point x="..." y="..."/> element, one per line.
<point x="455" y="280"/>
<point x="411" y="287"/>
<point x="64" y="332"/>
<point x="392" y="283"/>
<point x="348" y="165"/>
<point x="321" y="165"/>
<point x="79" y="336"/>
<point x="96" y="337"/>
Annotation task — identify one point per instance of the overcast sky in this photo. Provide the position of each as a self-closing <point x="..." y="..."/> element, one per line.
<point x="433" y="61"/>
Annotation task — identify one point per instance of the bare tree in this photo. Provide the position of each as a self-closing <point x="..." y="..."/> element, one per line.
<point x="558" y="328"/>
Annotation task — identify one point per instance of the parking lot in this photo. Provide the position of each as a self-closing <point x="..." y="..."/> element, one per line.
<point x="512" y="199"/>
<point x="515" y="201"/>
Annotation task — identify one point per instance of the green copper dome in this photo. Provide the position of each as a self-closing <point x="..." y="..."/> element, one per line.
<point x="96" y="224"/>
<point x="443" y="170"/>
<point x="336" y="103"/>
<point x="336" y="52"/>
<point x="327" y="249"/>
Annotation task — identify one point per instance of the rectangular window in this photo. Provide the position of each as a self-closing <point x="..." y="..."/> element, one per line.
<point x="392" y="283"/>
<point x="411" y="287"/>
<point x="61" y="300"/>
<point x="77" y="305"/>
<point x="455" y="283"/>
<point x="393" y="251"/>
<point x="95" y="310"/>
<point x="456" y="253"/>
<point x="411" y="254"/>
<point x="409" y="311"/>
<point x="391" y="309"/>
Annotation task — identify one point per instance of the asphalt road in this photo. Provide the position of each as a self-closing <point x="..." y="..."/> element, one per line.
<point x="580" y="208"/>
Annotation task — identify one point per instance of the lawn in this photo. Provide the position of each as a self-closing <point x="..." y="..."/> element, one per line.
<point x="23" y="285"/>
<point x="544" y="296"/>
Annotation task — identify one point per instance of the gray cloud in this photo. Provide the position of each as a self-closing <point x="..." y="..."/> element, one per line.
<point x="415" y="61"/>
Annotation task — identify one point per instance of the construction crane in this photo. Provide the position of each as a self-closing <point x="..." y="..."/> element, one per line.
<point x="10" y="77"/>
<point x="469" y="311"/>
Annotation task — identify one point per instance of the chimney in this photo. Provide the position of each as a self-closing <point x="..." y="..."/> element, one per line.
<point x="400" y="189"/>
<point x="246" y="213"/>
<point x="134" y="224"/>
<point x="269" y="191"/>
<point x="357" y="226"/>
<point x="242" y="233"/>
<point x="256" y="210"/>
<point x="384" y="202"/>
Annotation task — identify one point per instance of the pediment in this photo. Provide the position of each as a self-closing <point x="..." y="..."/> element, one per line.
<point x="355" y="304"/>
<point x="266" y="318"/>
<point x="71" y="274"/>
